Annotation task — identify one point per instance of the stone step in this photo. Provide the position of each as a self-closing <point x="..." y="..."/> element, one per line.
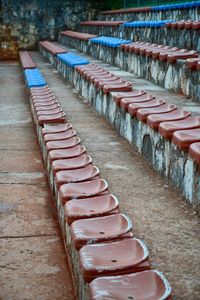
<point x="160" y="64"/>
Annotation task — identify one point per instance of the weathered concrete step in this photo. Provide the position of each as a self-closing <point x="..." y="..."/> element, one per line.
<point x="182" y="38"/>
<point x="175" y="77"/>
<point x="170" y="161"/>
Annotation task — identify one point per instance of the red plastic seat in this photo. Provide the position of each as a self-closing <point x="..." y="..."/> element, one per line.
<point x="196" y="25"/>
<point x="133" y="108"/>
<point x="100" y="230"/>
<point x="44" y="104"/>
<point x="64" y="144"/>
<point x="49" y="112"/>
<point x="117" y="87"/>
<point x="114" y="81"/>
<point x="144" y="48"/>
<point x="59" y="136"/>
<point x="136" y="48"/>
<point x="88" y="74"/>
<point x="117" y="98"/>
<point x="101" y="81"/>
<point x="166" y="129"/>
<point x="156" y="52"/>
<point x="91" y="207"/>
<point x="116" y="258"/>
<point x="198" y="66"/>
<point x="78" y="35"/>
<point x="179" y="114"/>
<point x="26" y="60"/>
<point x="194" y="152"/>
<point x="66" y="153"/>
<point x="184" y="138"/>
<point x="52" y="48"/>
<point x="181" y="24"/>
<point x="71" y="163"/>
<point x="164" y="55"/>
<point x="143" y="113"/>
<point x="124" y="103"/>
<point x="95" y="79"/>
<point x="55" y="118"/>
<point x="48" y="98"/>
<point x="78" y="175"/>
<point x="42" y="94"/>
<point x="148" y="285"/>
<point x="188" y="24"/>
<point x="81" y="190"/>
<point x="47" y="107"/>
<point x="55" y="128"/>
<point x="149" y="51"/>
<point x="40" y="89"/>
<point x="172" y="58"/>
<point x="191" y="63"/>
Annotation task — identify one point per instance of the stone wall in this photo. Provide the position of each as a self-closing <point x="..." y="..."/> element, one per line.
<point x="24" y="23"/>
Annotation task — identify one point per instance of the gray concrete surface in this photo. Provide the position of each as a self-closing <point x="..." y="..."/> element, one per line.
<point x="33" y="263"/>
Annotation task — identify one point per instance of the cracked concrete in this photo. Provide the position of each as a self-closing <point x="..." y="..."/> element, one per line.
<point x="33" y="263"/>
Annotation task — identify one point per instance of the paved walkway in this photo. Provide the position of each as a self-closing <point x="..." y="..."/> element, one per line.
<point x="32" y="260"/>
<point x="164" y="220"/>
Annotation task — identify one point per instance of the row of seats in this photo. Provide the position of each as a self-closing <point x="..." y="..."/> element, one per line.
<point x="68" y="58"/>
<point x="109" y="41"/>
<point x="78" y="35"/>
<point x="72" y="59"/>
<point x="26" y="60"/>
<point x="127" y="10"/>
<point x="159" y="23"/>
<point x="193" y="64"/>
<point x="103" y="80"/>
<point x="52" y="48"/>
<point x="185" y="5"/>
<point x="171" y="122"/>
<point x="45" y="106"/>
<point x="101" y="235"/>
<point x="161" y="52"/>
<point x="189" y="24"/>
<point x="102" y="23"/>
<point x="34" y="78"/>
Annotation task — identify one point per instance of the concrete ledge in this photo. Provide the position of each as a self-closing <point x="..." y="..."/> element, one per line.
<point x="174" y="165"/>
<point x="175" y="77"/>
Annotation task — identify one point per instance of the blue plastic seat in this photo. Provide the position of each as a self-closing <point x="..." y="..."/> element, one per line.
<point x="109" y="41"/>
<point x="34" y="78"/>
<point x="72" y="59"/>
<point x="176" y="6"/>
<point x="159" y="23"/>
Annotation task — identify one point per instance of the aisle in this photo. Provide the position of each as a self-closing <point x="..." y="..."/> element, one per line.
<point x="33" y="263"/>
